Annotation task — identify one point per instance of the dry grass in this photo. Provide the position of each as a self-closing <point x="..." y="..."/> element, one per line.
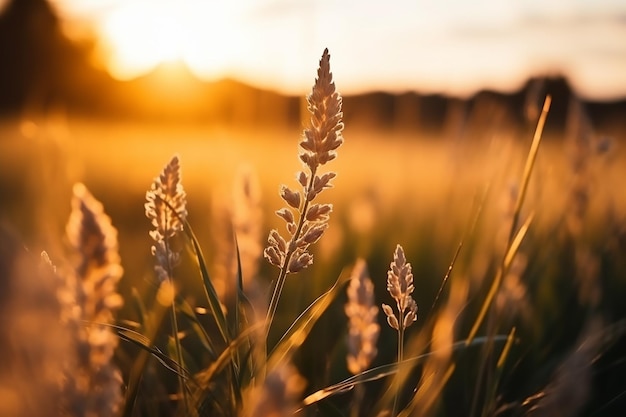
<point x="210" y="356"/>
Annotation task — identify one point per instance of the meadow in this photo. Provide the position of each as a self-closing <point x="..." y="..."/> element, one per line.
<point x="540" y="251"/>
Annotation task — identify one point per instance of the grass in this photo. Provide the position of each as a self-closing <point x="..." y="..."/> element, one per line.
<point x="505" y="334"/>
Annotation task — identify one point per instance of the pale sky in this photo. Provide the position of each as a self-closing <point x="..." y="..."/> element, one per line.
<point x="431" y="46"/>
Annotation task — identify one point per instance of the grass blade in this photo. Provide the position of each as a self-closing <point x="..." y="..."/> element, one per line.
<point x="528" y="167"/>
<point x="422" y="400"/>
<point x="187" y="311"/>
<point x="151" y="323"/>
<point x="223" y="360"/>
<point x="495" y="285"/>
<point x="144" y="343"/>
<point x="384" y="371"/>
<point x="211" y="294"/>
<point x="301" y="327"/>
<point x="234" y="326"/>
<point x="514" y="239"/>
<point x="488" y="408"/>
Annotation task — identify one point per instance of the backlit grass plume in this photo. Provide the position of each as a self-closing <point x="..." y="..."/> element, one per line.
<point x="363" y="328"/>
<point x="166" y="207"/>
<point x="93" y="383"/>
<point x="400" y="286"/>
<point x="305" y="221"/>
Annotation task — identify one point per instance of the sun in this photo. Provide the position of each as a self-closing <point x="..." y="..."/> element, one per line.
<point x="138" y="36"/>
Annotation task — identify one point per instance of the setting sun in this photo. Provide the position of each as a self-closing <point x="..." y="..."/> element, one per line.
<point x="137" y="37"/>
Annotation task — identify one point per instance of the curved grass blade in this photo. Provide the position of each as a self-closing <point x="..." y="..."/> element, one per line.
<point x="297" y="333"/>
<point x="495" y="285"/>
<point x="143" y="342"/>
<point x="199" y="330"/>
<point x="205" y="377"/>
<point x="209" y="290"/>
<point x="384" y="371"/>
<point x="419" y="399"/>
<point x="223" y="360"/>
<point x="513" y="237"/>
<point x="492" y="393"/>
<point x="242" y="323"/>
<point x="246" y="372"/>
<point x="211" y="294"/>
<point x="530" y="163"/>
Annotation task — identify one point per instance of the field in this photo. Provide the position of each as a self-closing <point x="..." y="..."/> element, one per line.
<point x="561" y="292"/>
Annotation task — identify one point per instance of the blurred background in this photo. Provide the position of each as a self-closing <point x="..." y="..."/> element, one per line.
<point x="108" y="89"/>
<point x="441" y="99"/>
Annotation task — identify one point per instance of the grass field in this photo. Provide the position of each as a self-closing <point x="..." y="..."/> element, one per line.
<point x="563" y="293"/>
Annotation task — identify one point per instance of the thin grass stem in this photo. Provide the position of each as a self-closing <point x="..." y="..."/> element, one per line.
<point x="179" y="358"/>
<point x="515" y="236"/>
<point x="282" y="276"/>
<point x="397" y="388"/>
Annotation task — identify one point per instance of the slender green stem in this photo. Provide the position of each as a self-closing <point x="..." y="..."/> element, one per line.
<point x="179" y="353"/>
<point x="179" y="357"/>
<point x="400" y="359"/>
<point x="271" y="311"/>
<point x="291" y="248"/>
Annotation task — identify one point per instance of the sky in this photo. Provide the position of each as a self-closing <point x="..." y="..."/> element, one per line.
<point x="453" y="47"/>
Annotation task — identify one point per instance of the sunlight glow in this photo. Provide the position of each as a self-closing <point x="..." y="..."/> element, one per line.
<point x="450" y="47"/>
<point x="138" y="36"/>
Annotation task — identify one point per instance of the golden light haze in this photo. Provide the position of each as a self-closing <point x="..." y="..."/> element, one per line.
<point x="451" y="47"/>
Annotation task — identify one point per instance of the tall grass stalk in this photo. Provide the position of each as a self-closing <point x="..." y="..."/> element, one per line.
<point x="166" y="208"/>
<point x="515" y="237"/>
<point x="318" y="146"/>
<point x="514" y="233"/>
<point x="400" y="286"/>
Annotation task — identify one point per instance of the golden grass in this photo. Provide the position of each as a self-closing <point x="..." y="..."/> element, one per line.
<point x="399" y="189"/>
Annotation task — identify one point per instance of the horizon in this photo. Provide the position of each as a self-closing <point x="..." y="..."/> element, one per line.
<point x="179" y="73"/>
<point x="429" y="48"/>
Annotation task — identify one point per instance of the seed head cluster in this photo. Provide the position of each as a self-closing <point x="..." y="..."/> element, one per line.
<point x="363" y="328"/>
<point x="166" y="207"/>
<point x="92" y="384"/>
<point x="318" y="146"/>
<point x="400" y="286"/>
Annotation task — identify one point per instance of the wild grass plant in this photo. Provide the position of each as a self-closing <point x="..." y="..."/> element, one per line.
<point x="204" y="339"/>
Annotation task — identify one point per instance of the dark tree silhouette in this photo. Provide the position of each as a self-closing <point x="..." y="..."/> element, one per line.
<point x="40" y="66"/>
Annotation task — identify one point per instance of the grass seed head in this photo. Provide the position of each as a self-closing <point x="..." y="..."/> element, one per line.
<point x="363" y="328"/>
<point x="92" y="383"/>
<point x="166" y="207"/>
<point x="400" y="286"/>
